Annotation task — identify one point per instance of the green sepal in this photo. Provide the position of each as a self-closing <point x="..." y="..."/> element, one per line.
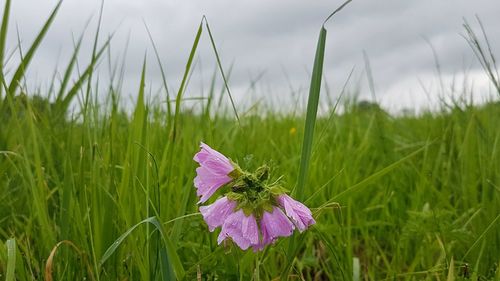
<point x="262" y="173"/>
<point x="264" y="196"/>
<point x="247" y="210"/>
<point x="267" y="206"/>
<point x="237" y="172"/>
<point x="238" y="197"/>
<point x="277" y="190"/>
<point x="238" y="185"/>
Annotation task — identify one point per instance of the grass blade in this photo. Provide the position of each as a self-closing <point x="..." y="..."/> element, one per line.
<point x="312" y="106"/>
<point x="219" y="64"/>
<point x="21" y="69"/>
<point x="163" y="75"/>
<point x="173" y="133"/>
<point x="170" y="259"/>
<point x="374" y="176"/>
<point x="3" y="36"/>
<point x="50" y="260"/>
<point x="168" y="156"/>
<point x="65" y="101"/>
<point x="490" y="226"/>
<point x="93" y="61"/>
<point x="184" y="80"/>
<point x="451" y="271"/>
<point x="69" y="70"/>
<point x="484" y="56"/>
<point x="11" y="259"/>
<point x="312" y="109"/>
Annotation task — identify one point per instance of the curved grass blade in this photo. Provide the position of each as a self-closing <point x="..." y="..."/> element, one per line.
<point x="171" y="264"/>
<point x="50" y="260"/>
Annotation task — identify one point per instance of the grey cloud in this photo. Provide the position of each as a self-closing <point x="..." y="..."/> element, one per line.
<point x="267" y="36"/>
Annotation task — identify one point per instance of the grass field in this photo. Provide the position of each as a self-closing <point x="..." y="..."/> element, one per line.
<point x="99" y="194"/>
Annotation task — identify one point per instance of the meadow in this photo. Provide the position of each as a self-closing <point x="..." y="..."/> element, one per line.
<point x="94" y="192"/>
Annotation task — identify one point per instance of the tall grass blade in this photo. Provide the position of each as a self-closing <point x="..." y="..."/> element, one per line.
<point x="184" y="80"/>
<point x="312" y="109"/>
<point x="3" y="36"/>
<point x="307" y="143"/>
<point x="21" y="69"/>
<point x="168" y="156"/>
<point x="69" y="70"/>
<point x="163" y="76"/>
<point x="93" y="61"/>
<point x="219" y="64"/>
<point x="173" y="135"/>
<point x="484" y="56"/>
<point x="65" y="101"/>
<point x="35" y="176"/>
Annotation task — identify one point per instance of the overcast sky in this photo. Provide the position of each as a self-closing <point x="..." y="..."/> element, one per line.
<point x="274" y="41"/>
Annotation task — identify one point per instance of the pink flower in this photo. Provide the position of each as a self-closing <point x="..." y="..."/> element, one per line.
<point x="274" y="225"/>
<point x="216" y="213"/>
<point x="213" y="172"/>
<point x="299" y="214"/>
<point x="242" y="229"/>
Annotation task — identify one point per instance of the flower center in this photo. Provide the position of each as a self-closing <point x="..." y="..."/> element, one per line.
<point x="251" y="192"/>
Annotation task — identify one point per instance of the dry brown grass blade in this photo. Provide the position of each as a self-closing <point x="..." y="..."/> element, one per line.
<point x="50" y="259"/>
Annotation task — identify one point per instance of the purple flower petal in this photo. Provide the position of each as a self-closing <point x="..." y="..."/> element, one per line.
<point x="299" y="214"/>
<point x="207" y="183"/>
<point x="242" y="229"/>
<point x="212" y="173"/>
<point x="273" y="225"/>
<point x="216" y="213"/>
<point x="208" y="153"/>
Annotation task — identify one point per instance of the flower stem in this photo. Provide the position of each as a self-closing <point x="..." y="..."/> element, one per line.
<point x="257" y="267"/>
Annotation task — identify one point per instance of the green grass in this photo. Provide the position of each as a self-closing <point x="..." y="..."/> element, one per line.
<point x="103" y="195"/>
